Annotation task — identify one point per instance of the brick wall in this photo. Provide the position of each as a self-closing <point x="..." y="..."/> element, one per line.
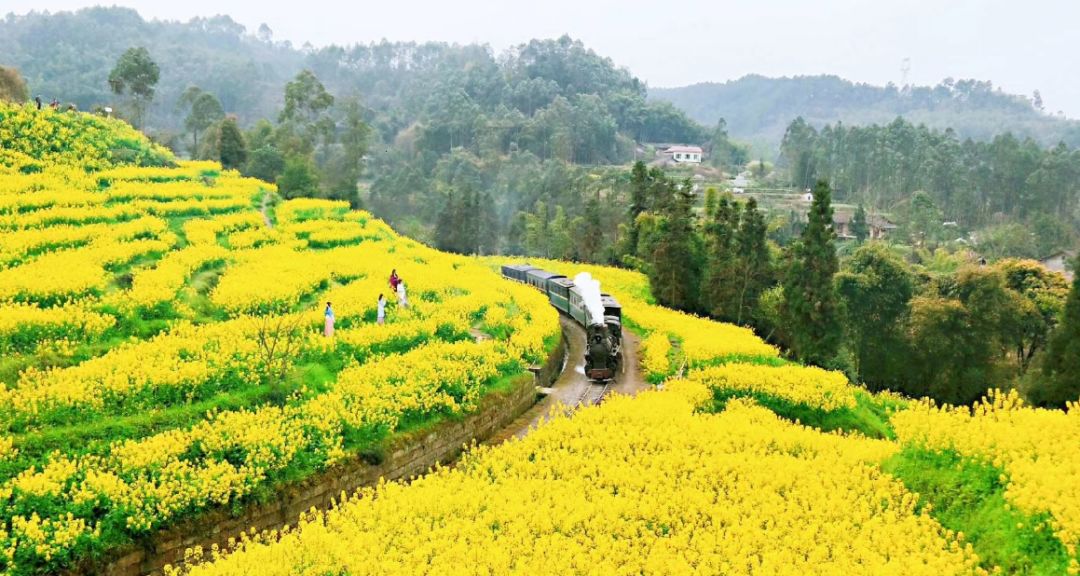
<point x="407" y="455"/>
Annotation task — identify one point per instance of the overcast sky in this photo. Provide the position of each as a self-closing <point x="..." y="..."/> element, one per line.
<point x="1020" y="46"/>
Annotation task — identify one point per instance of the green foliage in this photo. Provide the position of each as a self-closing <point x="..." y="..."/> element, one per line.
<point x="305" y="120"/>
<point x="1061" y="368"/>
<point x="266" y="163"/>
<point x="674" y="258"/>
<point x="204" y="110"/>
<point x="233" y="149"/>
<point x="876" y="288"/>
<point x="969" y="496"/>
<point x="135" y="74"/>
<point x="298" y="178"/>
<point x="860" y="228"/>
<point x="810" y="306"/>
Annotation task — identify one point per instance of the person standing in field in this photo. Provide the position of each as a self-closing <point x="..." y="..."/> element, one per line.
<point x="382" y="309"/>
<point x="328" y="329"/>
<point x="394" y="280"/>
<point x="403" y="300"/>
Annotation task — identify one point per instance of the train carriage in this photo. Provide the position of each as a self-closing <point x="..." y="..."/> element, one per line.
<point x="516" y="271"/>
<point x="538" y="279"/>
<point x="559" y="293"/>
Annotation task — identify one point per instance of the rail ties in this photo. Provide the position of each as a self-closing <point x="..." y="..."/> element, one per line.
<point x="593" y="394"/>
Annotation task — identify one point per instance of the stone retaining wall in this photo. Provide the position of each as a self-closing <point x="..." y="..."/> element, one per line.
<point x="406" y="455"/>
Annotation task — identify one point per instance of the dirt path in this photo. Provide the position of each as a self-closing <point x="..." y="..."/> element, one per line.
<point x="572" y="385"/>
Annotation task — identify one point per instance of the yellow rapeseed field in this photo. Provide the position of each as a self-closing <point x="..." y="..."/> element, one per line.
<point x="144" y="304"/>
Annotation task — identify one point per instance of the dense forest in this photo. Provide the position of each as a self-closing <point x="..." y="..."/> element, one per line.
<point x="758" y="109"/>
<point x="1021" y="199"/>
<point x="905" y="319"/>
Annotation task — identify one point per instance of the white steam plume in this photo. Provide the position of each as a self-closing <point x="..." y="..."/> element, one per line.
<point x="590" y="291"/>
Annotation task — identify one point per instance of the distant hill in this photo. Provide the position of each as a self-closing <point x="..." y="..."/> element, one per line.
<point x="758" y="109"/>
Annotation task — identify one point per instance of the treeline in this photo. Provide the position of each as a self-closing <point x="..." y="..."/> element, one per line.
<point x="759" y="109"/>
<point x="950" y="329"/>
<point x="929" y="177"/>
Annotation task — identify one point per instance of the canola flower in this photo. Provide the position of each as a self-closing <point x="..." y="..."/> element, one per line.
<point x="808" y="385"/>
<point x="641" y="485"/>
<point x="645" y="485"/>
<point x="24" y="325"/>
<point x="655" y="349"/>
<point x="1037" y="448"/>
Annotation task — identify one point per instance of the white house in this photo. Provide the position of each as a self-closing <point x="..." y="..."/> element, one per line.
<point x="684" y="154"/>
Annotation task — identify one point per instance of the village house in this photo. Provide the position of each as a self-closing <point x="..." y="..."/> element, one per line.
<point x="879" y="226"/>
<point x="1059" y="261"/>
<point x="684" y="154"/>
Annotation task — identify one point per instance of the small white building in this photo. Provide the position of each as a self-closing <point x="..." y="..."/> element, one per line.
<point x="684" y="154"/>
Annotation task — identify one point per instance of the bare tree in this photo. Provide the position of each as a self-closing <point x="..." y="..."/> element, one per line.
<point x="279" y="339"/>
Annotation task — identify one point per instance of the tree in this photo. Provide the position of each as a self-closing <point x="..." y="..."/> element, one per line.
<point x="537" y="236"/>
<point x="231" y="145"/>
<point x="204" y="111"/>
<point x="719" y="289"/>
<point x="1061" y="367"/>
<point x="135" y="74"/>
<point x="639" y="195"/>
<point x="12" y="86"/>
<point x="1038" y="301"/>
<point x="674" y="270"/>
<point x="266" y="163"/>
<point x="952" y="362"/>
<point x="305" y="118"/>
<point x="876" y="288"/>
<point x="754" y="265"/>
<point x="860" y="228"/>
<point x="810" y="308"/>
<point x="298" y="178"/>
<point x="560" y="236"/>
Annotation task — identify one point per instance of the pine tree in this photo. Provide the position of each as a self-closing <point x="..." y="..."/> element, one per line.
<point x="720" y="286"/>
<point x="860" y="228"/>
<point x="639" y="193"/>
<point x="675" y="269"/>
<point x="1061" y="367"/>
<point x="754" y="265"/>
<point x="810" y="309"/>
<point x="231" y="144"/>
<point x="444" y="225"/>
<point x="591" y="228"/>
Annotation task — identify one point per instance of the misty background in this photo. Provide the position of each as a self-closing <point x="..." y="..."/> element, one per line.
<point x="1019" y="46"/>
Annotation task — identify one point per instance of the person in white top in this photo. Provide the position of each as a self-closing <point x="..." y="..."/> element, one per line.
<point x="382" y="309"/>
<point x="403" y="300"/>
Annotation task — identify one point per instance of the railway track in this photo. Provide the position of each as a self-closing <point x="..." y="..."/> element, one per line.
<point x="593" y="393"/>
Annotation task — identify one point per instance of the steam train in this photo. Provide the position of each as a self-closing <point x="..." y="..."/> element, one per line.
<point x="603" y="335"/>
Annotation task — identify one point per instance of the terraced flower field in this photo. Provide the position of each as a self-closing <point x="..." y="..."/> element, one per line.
<point x="145" y="304"/>
<point x="163" y="349"/>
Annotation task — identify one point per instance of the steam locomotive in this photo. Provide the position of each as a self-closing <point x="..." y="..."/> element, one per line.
<point x="603" y="335"/>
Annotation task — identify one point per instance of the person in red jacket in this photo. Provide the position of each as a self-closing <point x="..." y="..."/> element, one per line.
<point x="394" y="280"/>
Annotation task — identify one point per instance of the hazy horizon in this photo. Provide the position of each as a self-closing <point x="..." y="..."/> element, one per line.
<point x="1019" y="47"/>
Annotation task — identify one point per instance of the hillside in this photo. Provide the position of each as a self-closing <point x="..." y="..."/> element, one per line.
<point x="137" y="392"/>
<point x="758" y="109"/>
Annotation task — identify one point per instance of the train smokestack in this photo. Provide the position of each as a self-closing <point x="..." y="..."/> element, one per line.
<point x="590" y="292"/>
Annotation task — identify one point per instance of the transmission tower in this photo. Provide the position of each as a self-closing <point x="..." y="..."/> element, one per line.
<point x="905" y="67"/>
